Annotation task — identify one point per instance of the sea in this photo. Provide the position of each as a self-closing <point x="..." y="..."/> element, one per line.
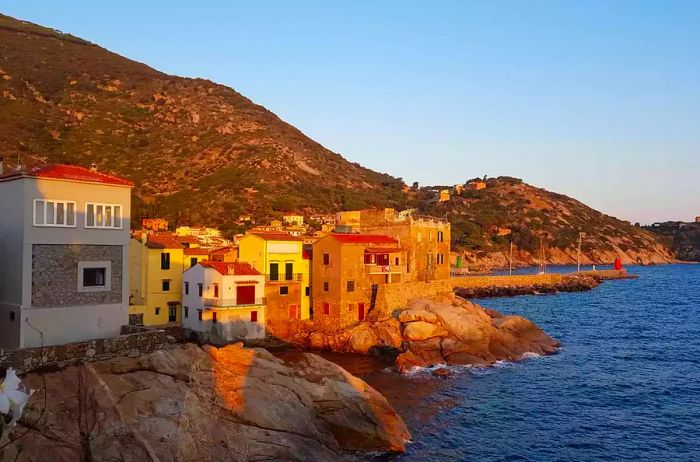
<point x="625" y="384"/>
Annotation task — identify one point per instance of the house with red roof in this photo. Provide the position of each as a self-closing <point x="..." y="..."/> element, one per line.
<point x="224" y="301"/>
<point x="64" y="240"/>
<point x="344" y="270"/>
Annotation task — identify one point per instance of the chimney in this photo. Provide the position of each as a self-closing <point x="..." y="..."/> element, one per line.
<point x="93" y="167"/>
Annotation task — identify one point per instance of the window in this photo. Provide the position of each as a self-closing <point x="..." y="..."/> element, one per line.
<point x="440" y="259"/>
<point x="103" y="215"/>
<point x="94" y="276"/>
<point x="187" y="311"/>
<point x="308" y="291"/>
<point x="12" y="315"/>
<point x="274" y="271"/>
<point x="440" y="236"/>
<point x="326" y="308"/>
<point x="199" y="314"/>
<point x="253" y="316"/>
<point x="165" y="284"/>
<point x="350" y="286"/>
<point x="165" y="261"/>
<point x="213" y="317"/>
<point x="216" y="290"/>
<point x="54" y="213"/>
<point x="288" y="271"/>
<point x="325" y="286"/>
<point x="326" y="259"/>
<point x="396" y="261"/>
<point x="193" y="261"/>
<point x="157" y="310"/>
<point x="200" y="288"/>
<point x="187" y="288"/>
<point x="284" y="290"/>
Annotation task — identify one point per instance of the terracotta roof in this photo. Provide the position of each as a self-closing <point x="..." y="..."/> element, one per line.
<point x="223" y="249"/>
<point x="163" y="241"/>
<point x="276" y="236"/>
<point x="68" y="173"/>
<point x="231" y="268"/>
<point x="196" y="251"/>
<point x="377" y="239"/>
<point x="188" y="239"/>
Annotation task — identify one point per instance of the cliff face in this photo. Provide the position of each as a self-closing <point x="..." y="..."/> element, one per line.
<point x="228" y="404"/>
<point x="682" y="238"/>
<point x="538" y="219"/>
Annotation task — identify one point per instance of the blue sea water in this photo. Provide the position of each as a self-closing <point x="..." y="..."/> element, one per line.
<point x="625" y="385"/>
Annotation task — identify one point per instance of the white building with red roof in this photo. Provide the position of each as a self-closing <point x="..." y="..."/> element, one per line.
<point x="64" y="237"/>
<point x="224" y="301"/>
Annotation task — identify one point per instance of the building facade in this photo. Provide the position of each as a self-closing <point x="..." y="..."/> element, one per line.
<point x="346" y="269"/>
<point x="426" y="239"/>
<point x="224" y="302"/>
<point x="64" y="240"/>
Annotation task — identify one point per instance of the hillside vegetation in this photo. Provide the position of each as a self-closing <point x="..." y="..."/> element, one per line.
<point x="201" y="153"/>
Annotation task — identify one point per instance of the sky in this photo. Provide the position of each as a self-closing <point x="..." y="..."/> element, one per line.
<point x="596" y="100"/>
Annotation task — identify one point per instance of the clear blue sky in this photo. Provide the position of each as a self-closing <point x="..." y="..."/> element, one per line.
<point x="596" y="100"/>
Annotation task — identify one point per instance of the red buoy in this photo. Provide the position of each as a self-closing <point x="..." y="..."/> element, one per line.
<point x="618" y="264"/>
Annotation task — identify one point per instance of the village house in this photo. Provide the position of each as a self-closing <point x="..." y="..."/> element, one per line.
<point x="154" y="224"/>
<point x="64" y="236"/>
<point x="293" y="219"/>
<point x="281" y="258"/>
<point x="476" y="185"/>
<point x="426" y="239"/>
<point x="208" y="237"/>
<point x="444" y="195"/>
<point x="345" y="268"/>
<point x="224" y="301"/>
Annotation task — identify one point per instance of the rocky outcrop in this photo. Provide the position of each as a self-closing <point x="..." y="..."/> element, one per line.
<point x="452" y="331"/>
<point x="187" y="404"/>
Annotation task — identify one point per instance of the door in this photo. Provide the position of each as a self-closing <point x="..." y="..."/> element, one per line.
<point x="172" y="313"/>
<point x="245" y="295"/>
<point x="288" y="271"/>
<point x="360" y="311"/>
<point x="274" y="271"/>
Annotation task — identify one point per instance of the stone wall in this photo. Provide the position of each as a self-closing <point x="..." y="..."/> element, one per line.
<point x="133" y="344"/>
<point x="503" y="281"/>
<point x="55" y="274"/>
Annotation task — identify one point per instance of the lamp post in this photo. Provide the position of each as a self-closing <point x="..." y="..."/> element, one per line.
<point x="510" y="259"/>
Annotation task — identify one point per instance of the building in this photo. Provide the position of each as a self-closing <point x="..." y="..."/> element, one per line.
<point x="224" y="301"/>
<point x="293" y="219"/>
<point x="345" y="268"/>
<point x="458" y="188"/>
<point x="426" y="239"/>
<point x="444" y="195"/>
<point x="154" y="224"/>
<point x="281" y="258"/>
<point x="476" y="185"/>
<point x="697" y="219"/>
<point x="64" y="237"/>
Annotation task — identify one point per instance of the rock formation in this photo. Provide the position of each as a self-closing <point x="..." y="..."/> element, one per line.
<point x="194" y="404"/>
<point x="452" y="331"/>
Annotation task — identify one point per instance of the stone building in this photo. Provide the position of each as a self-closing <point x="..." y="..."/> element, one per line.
<point x="426" y="239"/>
<point x="64" y="237"/>
<point x="346" y="269"/>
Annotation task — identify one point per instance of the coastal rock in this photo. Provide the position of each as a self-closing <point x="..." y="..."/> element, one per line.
<point x="362" y="338"/>
<point x="417" y="315"/>
<point x="421" y="330"/>
<point x="213" y="404"/>
<point x="389" y="333"/>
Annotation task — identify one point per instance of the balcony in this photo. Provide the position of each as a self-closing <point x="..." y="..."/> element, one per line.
<point x="384" y="269"/>
<point x="284" y="277"/>
<point x="230" y="303"/>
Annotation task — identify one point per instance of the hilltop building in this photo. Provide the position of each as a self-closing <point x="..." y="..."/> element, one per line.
<point x="345" y="269"/>
<point x="224" y="302"/>
<point x="426" y="239"/>
<point x="697" y="219"/>
<point x="154" y="224"/>
<point x="444" y="195"/>
<point x="281" y="258"/>
<point x="64" y="236"/>
<point x="476" y="185"/>
<point x="294" y="219"/>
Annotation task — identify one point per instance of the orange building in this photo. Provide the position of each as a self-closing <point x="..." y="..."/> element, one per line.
<point x="476" y="185"/>
<point x="426" y="239"/>
<point x="345" y="268"/>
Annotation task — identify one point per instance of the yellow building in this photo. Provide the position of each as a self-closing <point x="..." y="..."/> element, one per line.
<point x="156" y="263"/>
<point x="294" y="219"/>
<point x="444" y="195"/>
<point x="281" y="258"/>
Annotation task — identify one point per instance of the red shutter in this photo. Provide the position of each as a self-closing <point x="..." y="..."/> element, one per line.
<point x="253" y="316"/>
<point x="361" y="311"/>
<point x="326" y="308"/>
<point x="245" y="295"/>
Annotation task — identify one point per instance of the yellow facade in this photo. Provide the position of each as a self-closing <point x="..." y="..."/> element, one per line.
<point x="265" y="250"/>
<point x="152" y="301"/>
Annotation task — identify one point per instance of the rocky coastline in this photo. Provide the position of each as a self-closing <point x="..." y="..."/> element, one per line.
<point x="205" y="403"/>
<point x="567" y="284"/>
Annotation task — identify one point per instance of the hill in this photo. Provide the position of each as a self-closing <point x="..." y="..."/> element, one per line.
<point x="682" y="238"/>
<point x="201" y="153"/>
<point x="537" y="218"/>
<point x="198" y="152"/>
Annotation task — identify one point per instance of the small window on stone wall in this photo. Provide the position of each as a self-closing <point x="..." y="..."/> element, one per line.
<point x="94" y="276"/>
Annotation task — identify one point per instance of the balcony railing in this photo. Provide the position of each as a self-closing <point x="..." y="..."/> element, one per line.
<point x="371" y="268"/>
<point x="284" y="277"/>
<point x="230" y="303"/>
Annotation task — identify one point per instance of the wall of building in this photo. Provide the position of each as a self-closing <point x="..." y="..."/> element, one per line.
<point x="11" y="240"/>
